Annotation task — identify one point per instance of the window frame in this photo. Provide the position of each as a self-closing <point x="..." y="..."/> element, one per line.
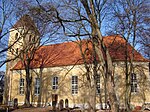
<point x="30" y="38"/>
<point x="21" y="86"/>
<point x="134" y="83"/>
<point x="17" y="51"/>
<point x="37" y="86"/>
<point x="98" y="84"/>
<point x="74" y="85"/>
<point x="55" y="83"/>
<point x="16" y="36"/>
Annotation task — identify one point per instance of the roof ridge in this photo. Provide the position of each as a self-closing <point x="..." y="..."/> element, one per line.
<point x="65" y="42"/>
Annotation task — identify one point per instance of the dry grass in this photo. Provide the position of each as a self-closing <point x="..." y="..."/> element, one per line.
<point x="33" y="109"/>
<point x="47" y="109"/>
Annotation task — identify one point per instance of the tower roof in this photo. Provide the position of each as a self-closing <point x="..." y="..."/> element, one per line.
<point x="27" y="22"/>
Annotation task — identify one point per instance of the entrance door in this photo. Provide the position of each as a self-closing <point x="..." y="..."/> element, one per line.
<point x="54" y="99"/>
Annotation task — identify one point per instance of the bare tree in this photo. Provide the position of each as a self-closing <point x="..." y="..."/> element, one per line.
<point x="31" y="37"/>
<point x="6" y="11"/>
<point x="84" y="15"/>
<point x="129" y="17"/>
<point x="6" y="21"/>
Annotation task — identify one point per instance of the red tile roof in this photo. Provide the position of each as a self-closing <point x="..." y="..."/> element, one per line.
<point x="68" y="53"/>
<point x="117" y="47"/>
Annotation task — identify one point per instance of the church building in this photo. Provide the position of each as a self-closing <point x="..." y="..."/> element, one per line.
<point x="58" y="74"/>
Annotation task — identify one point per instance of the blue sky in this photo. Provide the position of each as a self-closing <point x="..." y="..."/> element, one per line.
<point x="103" y="29"/>
<point x="3" y="68"/>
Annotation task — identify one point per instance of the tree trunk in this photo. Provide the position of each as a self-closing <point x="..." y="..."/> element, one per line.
<point x="6" y="89"/>
<point x="90" y="80"/>
<point x="40" y="94"/>
<point x="99" y="46"/>
<point x="92" y="99"/>
<point x="28" y="87"/>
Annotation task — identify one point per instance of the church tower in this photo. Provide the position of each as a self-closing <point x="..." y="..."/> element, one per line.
<point x="23" y="35"/>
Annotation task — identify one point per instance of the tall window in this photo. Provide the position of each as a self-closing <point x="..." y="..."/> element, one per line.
<point x="98" y="84"/>
<point x="37" y="86"/>
<point x="133" y="82"/>
<point x="17" y="51"/>
<point x="74" y="84"/>
<point x="55" y="83"/>
<point x="33" y="39"/>
<point x="21" y="88"/>
<point x="16" y="36"/>
<point x="30" y="36"/>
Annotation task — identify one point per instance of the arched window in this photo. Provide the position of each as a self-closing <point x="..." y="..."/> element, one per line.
<point x="66" y="103"/>
<point x="61" y="104"/>
<point x="30" y="36"/>
<point x="17" y="51"/>
<point x="16" y="36"/>
<point x="33" y="39"/>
